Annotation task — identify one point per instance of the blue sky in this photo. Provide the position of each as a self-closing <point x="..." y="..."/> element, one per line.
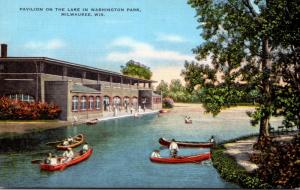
<point x="160" y="36"/>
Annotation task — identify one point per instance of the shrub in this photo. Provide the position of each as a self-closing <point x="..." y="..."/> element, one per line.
<point x="231" y="171"/>
<point x="279" y="162"/>
<point x="168" y="103"/>
<point x="18" y="110"/>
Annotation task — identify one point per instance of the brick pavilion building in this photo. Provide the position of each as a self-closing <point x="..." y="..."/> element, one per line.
<point x="79" y="90"/>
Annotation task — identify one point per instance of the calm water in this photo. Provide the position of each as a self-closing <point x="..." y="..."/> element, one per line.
<point x="121" y="154"/>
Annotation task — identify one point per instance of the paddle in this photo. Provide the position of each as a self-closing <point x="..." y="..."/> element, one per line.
<point x="52" y="143"/>
<point x="36" y="161"/>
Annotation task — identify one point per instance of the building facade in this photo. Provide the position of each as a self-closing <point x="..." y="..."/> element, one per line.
<point x="80" y="91"/>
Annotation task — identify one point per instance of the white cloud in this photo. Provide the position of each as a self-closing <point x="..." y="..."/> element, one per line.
<point x="170" y="38"/>
<point x="144" y="53"/>
<point x="46" y="45"/>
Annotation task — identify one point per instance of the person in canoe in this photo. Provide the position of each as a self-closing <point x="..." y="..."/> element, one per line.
<point x="70" y="140"/>
<point x="66" y="142"/>
<point x="173" y="148"/>
<point x="68" y="155"/>
<point x="155" y="154"/>
<point x="212" y="139"/>
<point x="187" y="119"/>
<point x="54" y="160"/>
<point x="48" y="159"/>
<point x="85" y="148"/>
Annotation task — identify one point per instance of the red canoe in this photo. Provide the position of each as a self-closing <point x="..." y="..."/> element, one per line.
<point x="166" y="142"/>
<point x="182" y="159"/>
<point x="164" y="111"/>
<point x="62" y="166"/>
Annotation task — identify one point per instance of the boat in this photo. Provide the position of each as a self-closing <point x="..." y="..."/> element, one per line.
<point x="163" y="111"/>
<point x="188" y="122"/>
<point x="166" y="142"/>
<point x="92" y="122"/>
<point x="62" y="166"/>
<point x="182" y="159"/>
<point x="78" y="140"/>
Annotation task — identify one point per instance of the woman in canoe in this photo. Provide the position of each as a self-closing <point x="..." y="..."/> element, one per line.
<point x="155" y="154"/>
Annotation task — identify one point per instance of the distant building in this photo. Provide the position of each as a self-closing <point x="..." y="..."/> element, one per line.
<point x="81" y="91"/>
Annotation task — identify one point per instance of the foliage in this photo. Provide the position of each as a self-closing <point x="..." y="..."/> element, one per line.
<point x="168" y="103"/>
<point x="231" y="171"/>
<point x="136" y="69"/>
<point x="250" y="42"/>
<point x="177" y="91"/>
<point x="163" y="88"/>
<point x="18" y="110"/>
<point x="278" y="162"/>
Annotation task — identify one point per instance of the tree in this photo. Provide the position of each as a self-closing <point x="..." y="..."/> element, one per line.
<point x="247" y="41"/>
<point x="163" y="88"/>
<point x="176" y="86"/>
<point x="136" y="69"/>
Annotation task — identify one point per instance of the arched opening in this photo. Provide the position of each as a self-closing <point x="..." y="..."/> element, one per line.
<point x="75" y="103"/>
<point x="98" y="102"/>
<point x="126" y="101"/>
<point x="106" y="103"/>
<point x="135" y="102"/>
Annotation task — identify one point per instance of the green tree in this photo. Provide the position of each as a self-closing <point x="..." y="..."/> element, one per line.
<point x="163" y="88"/>
<point x="176" y="86"/>
<point x="247" y="41"/>
<point x="136" y="69"/>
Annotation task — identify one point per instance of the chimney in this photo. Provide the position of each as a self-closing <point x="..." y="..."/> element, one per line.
<point x="3" y="50"/>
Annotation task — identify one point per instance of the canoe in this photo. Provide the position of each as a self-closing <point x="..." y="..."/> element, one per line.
<point x="166" y="142"/>
<point x="163" y="111"/>
<point x="189" y="122"/>
<point x="182" y="159"/>
<point x="92" y="122"/>
<point x="62" y="166"/>
<point x="79" y="139"/>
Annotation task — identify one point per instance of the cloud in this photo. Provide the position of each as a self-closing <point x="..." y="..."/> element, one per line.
<point x="144" y="53"/>
<point x="47" y="45"/>
<point x="167" y="73"/>
<point x="170" y="38"/>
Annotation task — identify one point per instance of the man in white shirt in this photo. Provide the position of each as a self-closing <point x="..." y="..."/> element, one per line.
<point x="173" y="148"/>
<point x="155" y="154"/>
<point x="53" y="160"/>
<point x="68" y="155"/>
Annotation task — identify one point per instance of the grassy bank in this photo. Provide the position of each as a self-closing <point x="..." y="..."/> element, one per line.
<point x="231" y="171"/>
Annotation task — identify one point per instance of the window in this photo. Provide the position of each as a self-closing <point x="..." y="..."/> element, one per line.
<point x="21" y="97"/>
<point x="98" y="102"/>
<point x="91" y="102"/>
<point x="83" y="103"/>
<point x="75" y="103"/>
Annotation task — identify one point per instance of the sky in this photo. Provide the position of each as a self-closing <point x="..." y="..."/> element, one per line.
<point x="157" y="33"/>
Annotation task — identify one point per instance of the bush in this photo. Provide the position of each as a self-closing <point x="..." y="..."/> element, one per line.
<point x="231" y="171"/>
<point x="168" y="103"/>
<point x="279" y="162"/>
<point x="18" y="110"/>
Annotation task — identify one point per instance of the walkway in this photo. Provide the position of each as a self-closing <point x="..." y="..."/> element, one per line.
<point x="241" y="151"/>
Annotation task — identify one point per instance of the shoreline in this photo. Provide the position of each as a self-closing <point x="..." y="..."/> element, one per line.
<point x="23" y="127"/>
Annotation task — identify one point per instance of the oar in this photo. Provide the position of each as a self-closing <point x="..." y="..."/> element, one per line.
<point x="52" y="143"/>
<point x="37" y="161"/>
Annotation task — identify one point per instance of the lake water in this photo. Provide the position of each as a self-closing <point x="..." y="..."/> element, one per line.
<point x="121" y="153"/>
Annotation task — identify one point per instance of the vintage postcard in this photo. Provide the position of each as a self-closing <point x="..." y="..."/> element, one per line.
<point x="149" y="94"/>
